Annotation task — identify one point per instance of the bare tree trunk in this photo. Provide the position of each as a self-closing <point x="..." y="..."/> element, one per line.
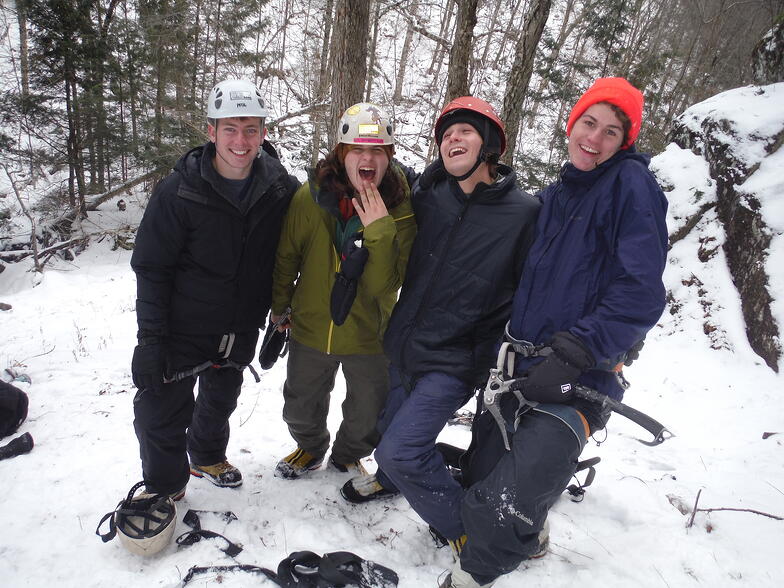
<point x="402" y="63"/>
<point x="508" y="34"/>
<point x="372" y="50"/>
<point x="216" y="45"/>
<point x="481" y="71"/>
<point x="438" y="54"/>
<point x="24" y="63"/>
<point x="567" y="26"/>
<point x="323" y="84"/>
<point x="459" y="56"/>
<point x="520" y="76"/>
<point x="348" y="60"/>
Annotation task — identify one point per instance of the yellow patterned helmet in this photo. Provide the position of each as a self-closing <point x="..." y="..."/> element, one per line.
<point x="365" y="124"/>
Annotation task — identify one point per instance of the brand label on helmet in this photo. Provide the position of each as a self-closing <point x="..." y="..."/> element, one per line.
<point x="239" y="95"/>
<point x="367" y="140"/>
<point x="369" y="129"/>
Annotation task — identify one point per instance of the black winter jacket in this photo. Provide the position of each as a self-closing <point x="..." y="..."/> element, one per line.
<point x="462" y="273"/>
<point x="204" y="266"/>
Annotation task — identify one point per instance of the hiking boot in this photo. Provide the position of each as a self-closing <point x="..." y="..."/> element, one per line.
<point x="175" y="496"/>
<point x="221" y="474"/>
<point x="297" y="463"/>
<point x="353" y="467"/>
<point x="457" y="546"/>
<point x="544" y="541"/>
<point x="457" y="578"/>
<point x="364" y="489"/>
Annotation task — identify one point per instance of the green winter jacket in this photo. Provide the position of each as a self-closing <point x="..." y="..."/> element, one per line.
<point x="307" y="261"/>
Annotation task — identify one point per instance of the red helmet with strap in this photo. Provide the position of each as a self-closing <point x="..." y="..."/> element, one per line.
<point x="472" y="104"/>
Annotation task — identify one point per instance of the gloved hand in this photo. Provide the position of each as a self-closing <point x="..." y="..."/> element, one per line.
<point x="553" y="379"/>
<point x="634" y="353"/>
<point x="148" y="365"/>
<point x="344" y="289"/>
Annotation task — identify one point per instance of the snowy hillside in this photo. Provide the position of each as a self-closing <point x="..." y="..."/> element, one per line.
<point x="72" y="330"/>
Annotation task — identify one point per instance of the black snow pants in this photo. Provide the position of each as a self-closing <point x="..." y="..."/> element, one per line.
<point x="170" y="424"/>
<point x="510" y="492"/>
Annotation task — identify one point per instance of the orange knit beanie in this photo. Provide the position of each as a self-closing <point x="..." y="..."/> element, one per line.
<point x="616" y="91"/>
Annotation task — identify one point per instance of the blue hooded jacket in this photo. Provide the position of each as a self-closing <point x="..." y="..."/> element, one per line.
<point x="595" y="268"/>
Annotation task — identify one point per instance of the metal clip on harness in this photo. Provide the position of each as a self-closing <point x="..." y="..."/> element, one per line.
<point x="500" y="382"/>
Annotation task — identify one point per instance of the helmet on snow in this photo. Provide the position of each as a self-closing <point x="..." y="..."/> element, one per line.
<point x="144" y="523"/>
<point x="235" y="98"/>
<point x="365" y="124"/>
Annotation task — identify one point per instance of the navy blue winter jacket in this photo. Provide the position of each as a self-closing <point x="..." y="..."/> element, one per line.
<point x="595" y="268"/>
<point x="461" y="275"/>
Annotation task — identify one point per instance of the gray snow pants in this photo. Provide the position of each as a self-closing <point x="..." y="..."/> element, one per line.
<point x="310" y="378"/>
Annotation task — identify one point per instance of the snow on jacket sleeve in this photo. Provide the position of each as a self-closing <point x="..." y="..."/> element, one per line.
<point x="634" y="298"/>
<point x="159" y="241"/>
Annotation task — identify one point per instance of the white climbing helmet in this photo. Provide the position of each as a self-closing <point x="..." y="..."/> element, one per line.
<point x="365" y="124"/>
<point x="144" y="523"/>
<point x="232" y="98"/>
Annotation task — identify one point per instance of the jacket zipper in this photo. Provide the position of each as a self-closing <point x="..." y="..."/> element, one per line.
<point x="331" y="329"/>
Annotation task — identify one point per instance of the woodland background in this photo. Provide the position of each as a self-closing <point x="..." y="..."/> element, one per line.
<point x="100" y="95"/>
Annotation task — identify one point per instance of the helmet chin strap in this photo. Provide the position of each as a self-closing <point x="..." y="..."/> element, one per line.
<point x="481" y="158"/>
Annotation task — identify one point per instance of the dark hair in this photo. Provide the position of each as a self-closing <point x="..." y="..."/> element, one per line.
<point x="626" y="122"/>
<point x="331" y="176"/>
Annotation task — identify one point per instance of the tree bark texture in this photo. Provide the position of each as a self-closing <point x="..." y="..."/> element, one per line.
<point x="460" y="55"/>
<point x="520" y="75"/>
<point x="348" y="61"/>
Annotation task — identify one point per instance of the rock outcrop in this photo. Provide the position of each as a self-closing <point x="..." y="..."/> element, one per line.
<point x="735" y="131"/>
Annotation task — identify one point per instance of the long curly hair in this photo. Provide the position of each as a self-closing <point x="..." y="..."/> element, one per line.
<point x="331" y="176"/>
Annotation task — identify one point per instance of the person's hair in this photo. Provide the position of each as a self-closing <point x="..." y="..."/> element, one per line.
<point x="331" y="176"/>
<point x="626" y="122"/>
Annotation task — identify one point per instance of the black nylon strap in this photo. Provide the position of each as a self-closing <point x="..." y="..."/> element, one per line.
<point x="198" y="570"/>
<point x="191" y="519"/>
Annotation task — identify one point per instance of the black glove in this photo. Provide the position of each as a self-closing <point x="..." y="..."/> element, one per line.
<point x="272" y="347"/>
<point x="634" y="353"/>
<point x="148" y="365"/>
<point x="345" y="288"/>
<point x="20" y="445"/>
<point x="553" y="379"/>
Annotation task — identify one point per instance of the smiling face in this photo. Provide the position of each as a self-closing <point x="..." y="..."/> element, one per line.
<point x="596" y="137"/>
<point x="460" y="147"/>
<point x="237" y="142"/>
<point x="366" y="163"/>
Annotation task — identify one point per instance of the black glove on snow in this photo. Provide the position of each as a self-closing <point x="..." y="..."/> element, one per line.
<point x="553" y="379"/>
<point x="148" y="365"/>
<point x="345" y="288"/>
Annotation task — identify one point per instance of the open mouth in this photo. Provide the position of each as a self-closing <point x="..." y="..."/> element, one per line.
<point x="367" y="173"/>
<point x="589" y="150"/>
<point x="239" y="153"/>
<point x="455" y="151"/>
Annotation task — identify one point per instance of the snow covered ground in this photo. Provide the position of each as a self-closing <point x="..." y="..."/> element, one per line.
<point x="73" y="333"/>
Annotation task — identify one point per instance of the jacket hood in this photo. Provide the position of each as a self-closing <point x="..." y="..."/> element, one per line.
<point x="196" y="168"/>
<point x="435" y="173"/>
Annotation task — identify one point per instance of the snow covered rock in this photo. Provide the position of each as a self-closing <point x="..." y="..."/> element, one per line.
<point x="768" y="56"/>
<point x="739" y="134"/>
